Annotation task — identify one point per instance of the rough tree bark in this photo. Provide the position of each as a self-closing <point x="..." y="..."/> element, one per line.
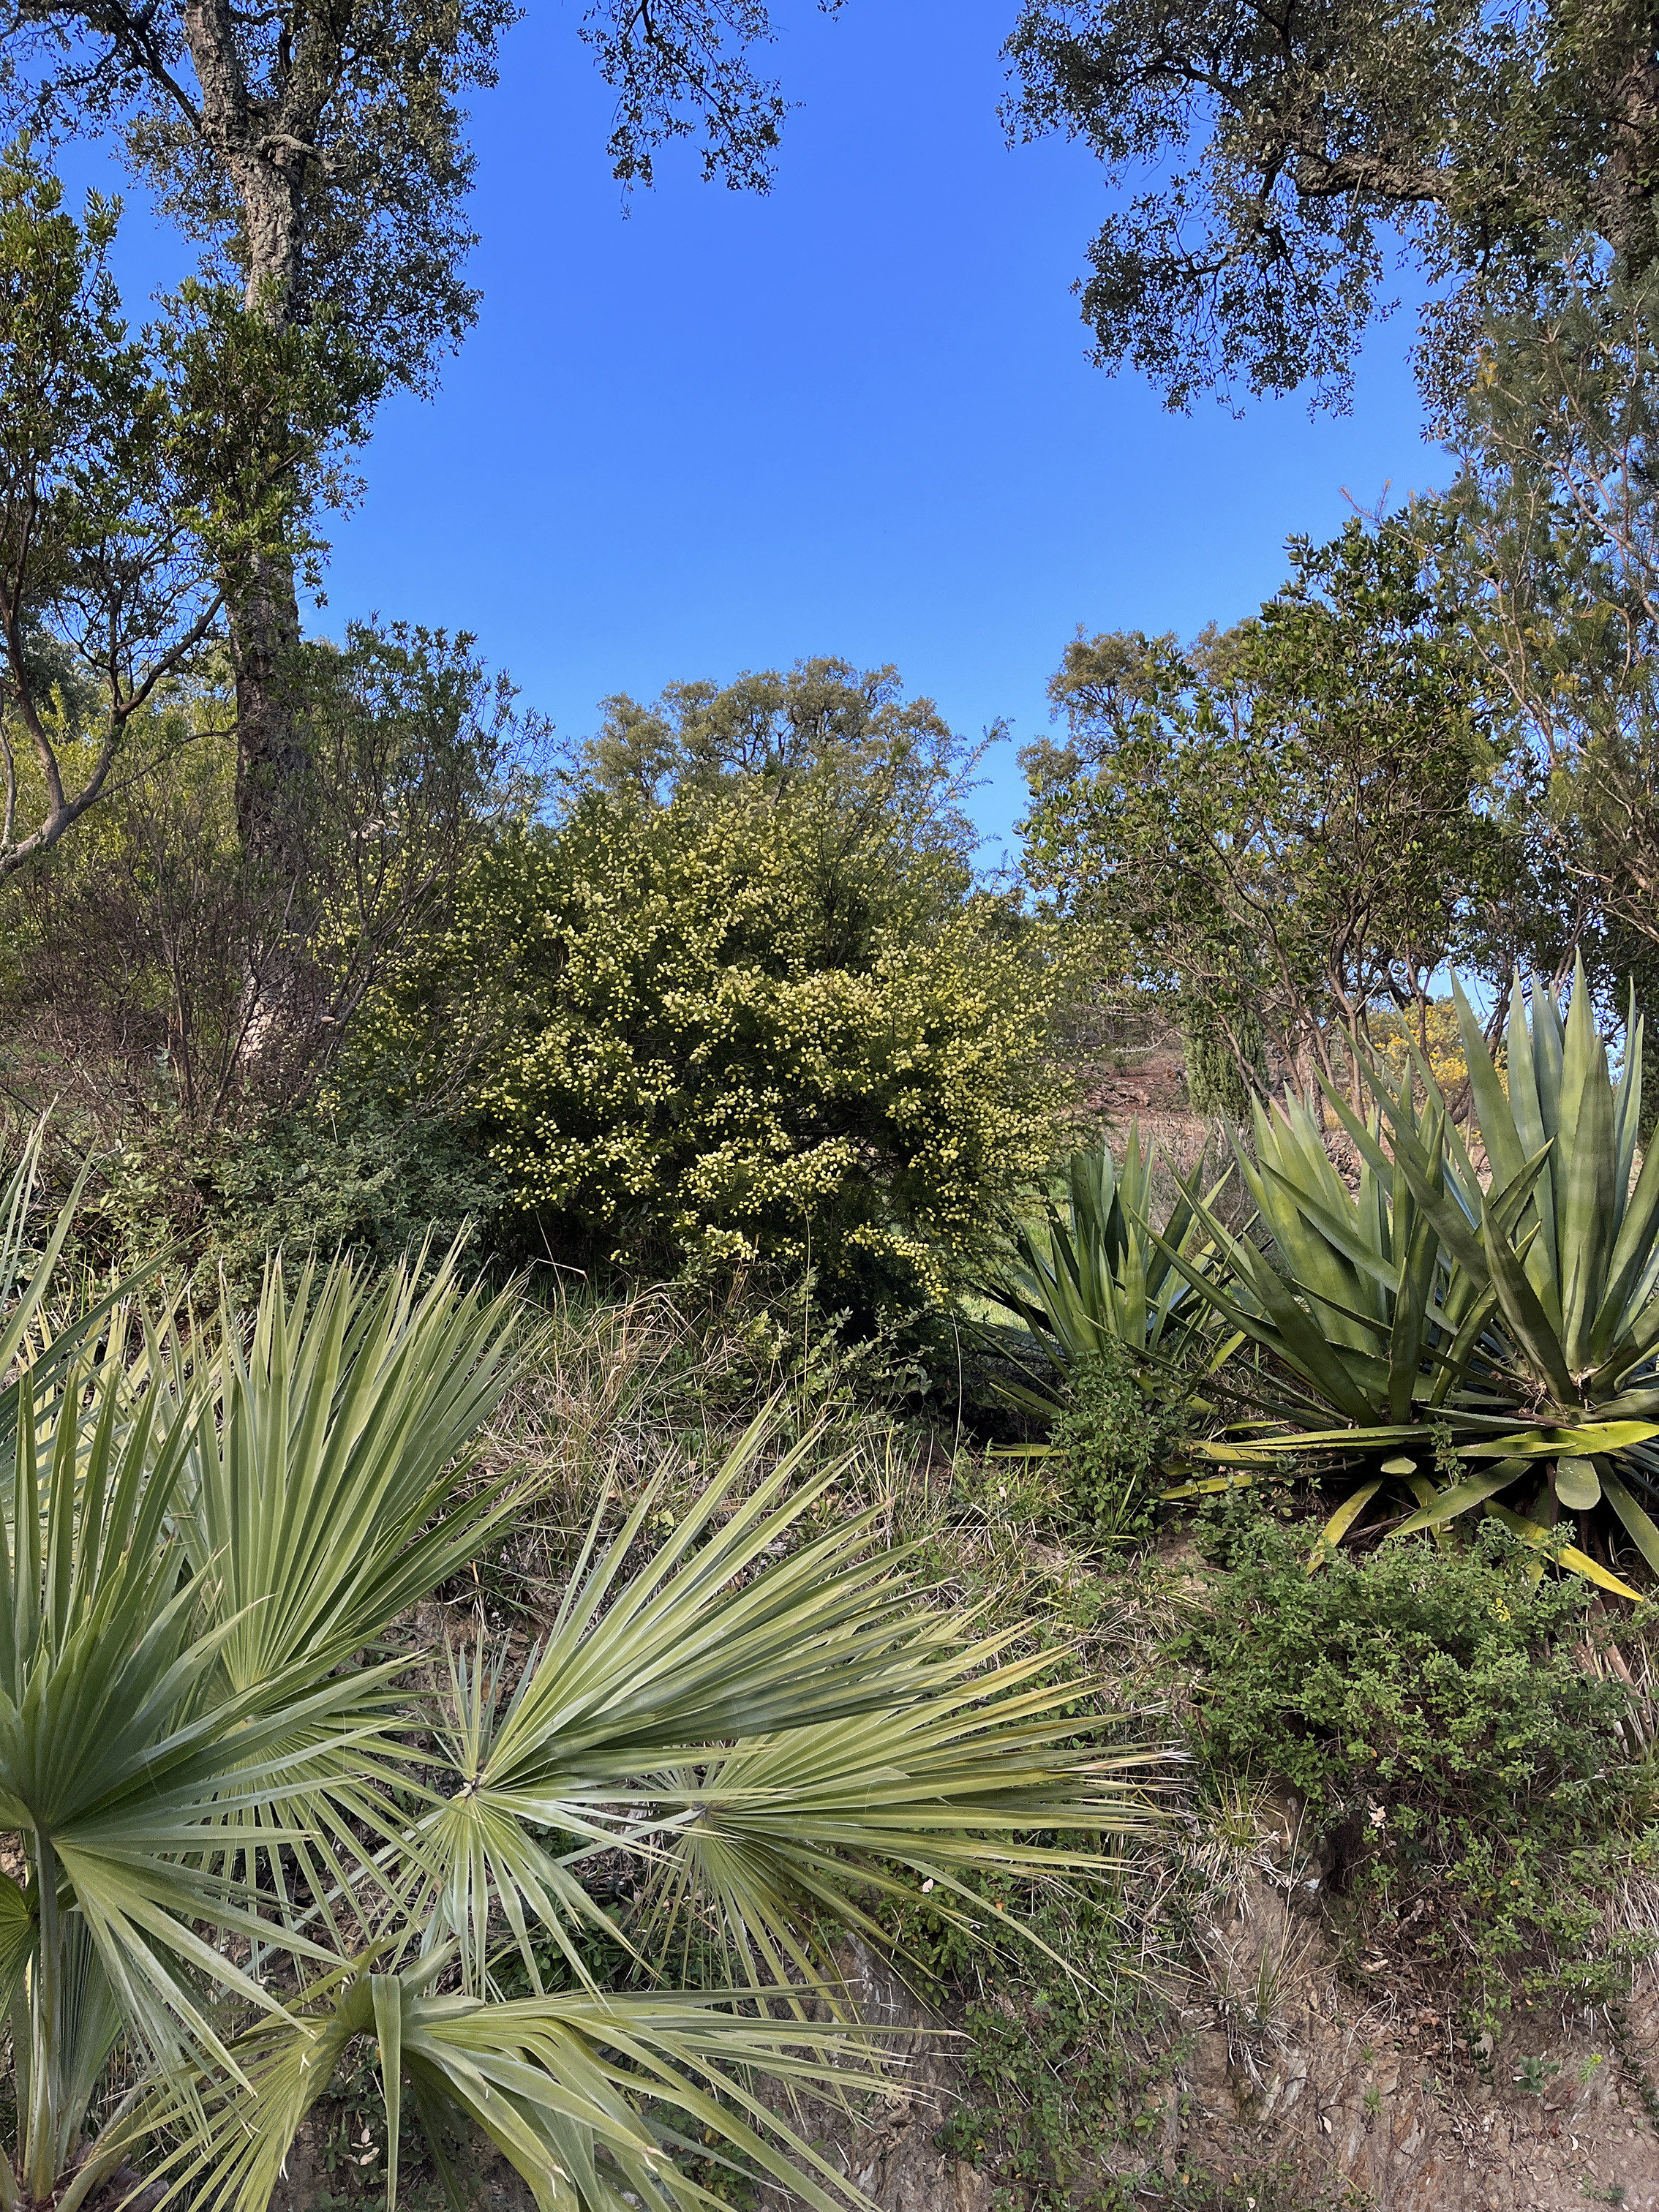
<point x="264" y="145"/>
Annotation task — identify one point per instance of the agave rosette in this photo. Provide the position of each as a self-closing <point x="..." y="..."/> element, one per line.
<point x="1573" y="1272"/>
<point x="1094" y="1271"/>
<point x="1506" y="1321"/>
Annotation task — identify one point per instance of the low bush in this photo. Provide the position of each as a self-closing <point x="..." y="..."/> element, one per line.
<point x="372" y="1183"/>
<point x="1462" y="1762"/>
<point x="1110" y="1443"/>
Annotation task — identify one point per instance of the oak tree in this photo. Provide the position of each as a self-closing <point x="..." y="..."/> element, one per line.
<point x="1284" y="825"/>
<point x="142" y="475"/>
<point x="316" y="150"/>
<point x="1272" y="153"/>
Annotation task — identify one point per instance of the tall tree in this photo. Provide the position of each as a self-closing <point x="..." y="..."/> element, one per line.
<point x="1281" y="145"/>
<point x="141" y="476"/>
<point x="1284" y="825"/>
<point x="1555" y="560"/>
<point x="316" y="150"/>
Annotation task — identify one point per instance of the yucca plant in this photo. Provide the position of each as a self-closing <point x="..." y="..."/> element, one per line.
<point x="253" y="1839"/>
<point x="1094" y="1272"/>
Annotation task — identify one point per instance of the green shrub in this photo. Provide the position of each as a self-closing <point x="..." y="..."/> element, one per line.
<point x="715" y="1050"/>
<point x="1462" y="1766"/>
<point x="371" y="1183"/>
<point x="1110" y="1443"/>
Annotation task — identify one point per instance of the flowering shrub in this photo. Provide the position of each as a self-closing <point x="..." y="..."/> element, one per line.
<point x="1395" y="1036"/>
<point x="717" y="1047"/>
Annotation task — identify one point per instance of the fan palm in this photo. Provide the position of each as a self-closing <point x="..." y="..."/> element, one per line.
<point x="251" y="1841"/>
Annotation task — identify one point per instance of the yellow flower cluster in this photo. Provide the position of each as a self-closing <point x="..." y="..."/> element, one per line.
<point x="1395" y="1037"/>
<point x="708" y="1044"/>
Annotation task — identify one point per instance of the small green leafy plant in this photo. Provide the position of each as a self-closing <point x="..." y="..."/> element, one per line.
<point x="1466" y="1774"/>
<point x="1111" y="1442"/>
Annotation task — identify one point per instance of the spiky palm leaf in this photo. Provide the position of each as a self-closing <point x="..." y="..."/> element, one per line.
<point x="774" y="1744"/>
<point x="240" y="1861"/>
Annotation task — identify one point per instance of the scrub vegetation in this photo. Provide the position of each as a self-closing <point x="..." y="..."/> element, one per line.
<point x="635" y="1402"/>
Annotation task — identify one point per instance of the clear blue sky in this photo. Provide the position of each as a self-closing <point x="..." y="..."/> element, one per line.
<point x="701" y="431"/>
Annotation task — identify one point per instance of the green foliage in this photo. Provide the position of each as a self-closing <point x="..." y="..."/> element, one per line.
<point x="1504" y="1327"/>
<point x="1212" y="1051"/>
<point x="1111" y="1443"/>
<point x="1555" y="552"/>
<point x="1283" y="826"/>
<point x="1257" y="178"/>
<point x="1058" y="2090"/>
<point x="1567" y="1257"/>
<point x="1097" y="1274"/>
<point x="133" y="951"/>
<point x="846" y="742"/>
<point x="372" y="1185"/>
<point x="138" y="474"/>
<point x="236" y="1881"/>
<point x="1467" y="1772"/>
<point x="367" y="233"/>
<point x="713" y="1051"/>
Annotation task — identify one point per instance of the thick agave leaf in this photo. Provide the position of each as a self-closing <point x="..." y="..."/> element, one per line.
<point x="1575" y="1267"/>
<point x="1577" y="1277"/>
<point x="1364" y="1313"/>
<point x="1636" y="1521"/>
<point x="1579" y="1563"/>
<point x="1341" y="1520"/>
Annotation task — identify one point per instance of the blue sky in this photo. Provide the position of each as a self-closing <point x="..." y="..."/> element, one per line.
<point x="699" y="431"/>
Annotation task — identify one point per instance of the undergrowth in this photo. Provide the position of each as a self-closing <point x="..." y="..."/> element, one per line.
<point x="1453" y="1725"/>
<point x="1463" y="1765"/>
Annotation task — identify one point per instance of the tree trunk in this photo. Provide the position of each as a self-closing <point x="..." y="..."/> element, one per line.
<point x="262" y="146"/>
<point x="272" y="754"/>
<point x="1627" y="189"/>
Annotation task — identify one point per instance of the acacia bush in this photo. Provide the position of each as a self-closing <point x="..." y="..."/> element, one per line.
<point x="713" y="1046"/>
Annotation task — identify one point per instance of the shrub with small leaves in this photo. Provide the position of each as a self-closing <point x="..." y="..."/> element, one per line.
<point x="1111" y="1442"/>
<point x="716" y="1051"/>
<point x="1465" y="1765"/>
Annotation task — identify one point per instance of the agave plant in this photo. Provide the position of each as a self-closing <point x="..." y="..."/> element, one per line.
<point x="1365" y="1324"/>
<point x="1094" y="1270"/>
<point x="1572" y="1272"/>
<point x="1350" y="1294"/>
<point x="1508" y="1321"/>
<point x="253" y="1839"/>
